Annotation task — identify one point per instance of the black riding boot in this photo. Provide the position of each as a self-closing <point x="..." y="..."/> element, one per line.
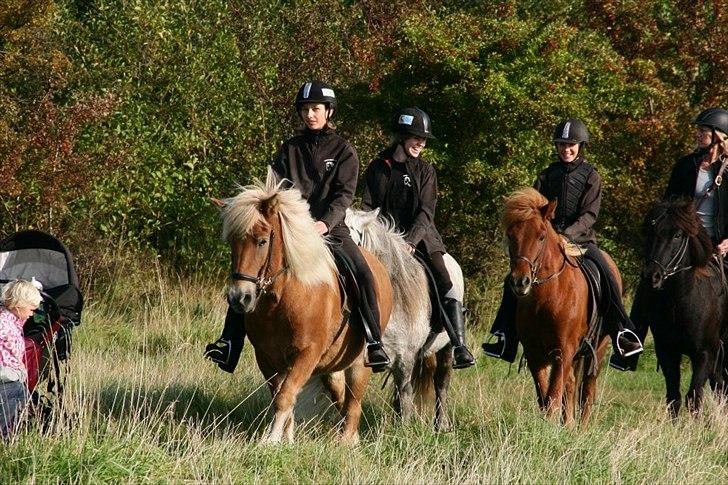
<point x="456" y="331"/>
<point x="225" y="352"/>
<point x="504" y="327"/>
<point x="377" y="359"/>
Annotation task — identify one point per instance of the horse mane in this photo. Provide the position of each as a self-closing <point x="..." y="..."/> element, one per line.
<point x="683" y="214"/>
<point x="525" y="204"/>
<point x="306" y="254"/>
<point x="383" y="240"/>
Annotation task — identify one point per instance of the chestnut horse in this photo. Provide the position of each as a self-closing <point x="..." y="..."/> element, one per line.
<point x="285" y="280"/>
<point x="552" y="306"/>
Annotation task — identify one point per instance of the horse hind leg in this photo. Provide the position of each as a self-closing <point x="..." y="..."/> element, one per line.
<point x="335" y="384"/>
<point x="357" y="377"/>
<point x="442" y="376"/>
<point x="403" y="392"/>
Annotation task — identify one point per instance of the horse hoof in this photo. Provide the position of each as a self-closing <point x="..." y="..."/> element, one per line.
<point x="349" y="440"/>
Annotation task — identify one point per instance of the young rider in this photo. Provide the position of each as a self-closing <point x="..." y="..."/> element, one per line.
<point x="404" y="187"/>
<point x="325" y="168"/>
<point x="578" y="188"/>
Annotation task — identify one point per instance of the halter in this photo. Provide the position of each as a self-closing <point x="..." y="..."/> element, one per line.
<point x="535" y="265"/>
<point x="673" y="267"/>
<point x="262" y="284"/>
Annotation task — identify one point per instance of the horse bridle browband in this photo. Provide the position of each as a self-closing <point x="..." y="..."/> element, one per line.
<point x="262" y="284"/>
<point x="535" y="265"/>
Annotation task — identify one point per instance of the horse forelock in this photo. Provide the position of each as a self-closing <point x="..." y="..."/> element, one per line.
<point x="383" y="240"/>
<point x="680" y="214"/>
<point x="306" y="255"/>
<point x="523" y="205"/>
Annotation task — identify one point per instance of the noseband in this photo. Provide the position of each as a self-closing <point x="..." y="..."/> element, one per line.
<point x="535" y="265"/>
<point x="262" y="283"/>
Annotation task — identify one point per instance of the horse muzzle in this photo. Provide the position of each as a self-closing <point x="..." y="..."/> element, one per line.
<point x="655" y="275"/>
<point x="242" y="297"/>
<point x="521" y="284"/>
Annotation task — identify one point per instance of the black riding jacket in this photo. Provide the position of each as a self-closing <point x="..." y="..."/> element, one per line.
<point x="414" y="213"/>
<point x="578" y="188"/>
<point x="682" y="184"/>
<point x="325" y="168"/>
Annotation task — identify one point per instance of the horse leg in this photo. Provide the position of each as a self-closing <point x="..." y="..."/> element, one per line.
<point x="569" y="390"/>
<point x="555" y="392"/>
<point x="285" y="399"/>
<point x="335" y="383"/>
<point x="403" y="395"/>
<point x="357" y="377"/>
<point x="670" y="365"/>
<point x="701" y="364"/>
<point x="589" y="382"/>
<point x="443" y="374"/>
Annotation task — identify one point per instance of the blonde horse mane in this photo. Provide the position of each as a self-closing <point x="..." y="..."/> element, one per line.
<point x="525" y="204"/>
<point x="306" y="254"/>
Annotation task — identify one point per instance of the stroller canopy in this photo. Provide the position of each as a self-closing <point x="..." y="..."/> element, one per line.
<point x="36" y="254"/>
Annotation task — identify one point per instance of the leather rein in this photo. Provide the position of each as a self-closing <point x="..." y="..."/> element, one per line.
<point x="262" y="283"/>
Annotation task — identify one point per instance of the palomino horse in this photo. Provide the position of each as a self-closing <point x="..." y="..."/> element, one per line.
<point x="420" y="360"/>
<point x="284" y="278"/>
<point x="683" y="294"/>
<point x="552" y="307"/>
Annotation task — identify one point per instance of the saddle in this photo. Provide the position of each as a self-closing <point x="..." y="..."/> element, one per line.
<point x="596" y="310"/>
<point x="349" y="289"/>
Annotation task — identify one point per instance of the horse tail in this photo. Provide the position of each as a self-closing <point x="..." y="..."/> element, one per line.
<point x="423" y="381"/>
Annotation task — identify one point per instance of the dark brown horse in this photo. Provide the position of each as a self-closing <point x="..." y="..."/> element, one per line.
<point x="683" y="299"/>
<point x="284" y="279"/>
<point x="552" y="308"/>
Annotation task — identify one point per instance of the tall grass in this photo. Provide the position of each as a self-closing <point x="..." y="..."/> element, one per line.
<point x="143" y="406"/>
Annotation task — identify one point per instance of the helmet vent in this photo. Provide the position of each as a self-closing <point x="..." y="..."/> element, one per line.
<point x="306" y="90"/>
<point x="406" y="119"/>
<point x="565" y="132"/>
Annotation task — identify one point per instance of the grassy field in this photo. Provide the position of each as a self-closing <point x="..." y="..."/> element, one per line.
<point x="145" y="407"/>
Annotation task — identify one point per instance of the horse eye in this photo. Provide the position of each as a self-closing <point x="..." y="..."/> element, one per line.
<point x="542" y="237"/>
<point x="678" y="235"/>
<point x="262" y="242"/>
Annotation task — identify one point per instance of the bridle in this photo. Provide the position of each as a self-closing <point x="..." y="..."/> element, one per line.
<point x="673" y="266"/>
<point x="535" y="265"/>
<point x="262" y="283"/>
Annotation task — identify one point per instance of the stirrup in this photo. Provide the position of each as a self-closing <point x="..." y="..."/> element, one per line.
<point x="380" y="365"/>
<point x="627" y="332"/>
<point x="219" y="351"/>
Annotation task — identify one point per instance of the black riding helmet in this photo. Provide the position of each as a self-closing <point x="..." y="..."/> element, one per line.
<point x="572" y="130"/>
<point x="414" y="121"/>
<point x="317" y="92"/>
<point x="714" y="118"/>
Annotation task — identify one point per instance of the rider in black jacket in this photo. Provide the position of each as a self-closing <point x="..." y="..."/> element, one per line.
<point x="325" y="168"/>
<point x="578" y="188"/>
<point x="404" y="187"/>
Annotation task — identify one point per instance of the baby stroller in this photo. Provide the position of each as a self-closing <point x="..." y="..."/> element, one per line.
<point x="36" y="255"/>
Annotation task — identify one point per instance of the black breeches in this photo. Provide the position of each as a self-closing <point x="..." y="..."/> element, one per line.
<point x="436" y="264"/>
<point x="365" y="279"/>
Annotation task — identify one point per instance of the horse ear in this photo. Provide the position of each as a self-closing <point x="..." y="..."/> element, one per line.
<point x="549" y="209"/>
<point x="371" y="216"/>
<point x="220" y="204"/>
<point x="269" y="207"/>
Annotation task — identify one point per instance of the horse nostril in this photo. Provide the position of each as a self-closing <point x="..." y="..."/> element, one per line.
<point x="656" y="278"/>
<point x="247" y="300"/>
<point x="525" y="281"/>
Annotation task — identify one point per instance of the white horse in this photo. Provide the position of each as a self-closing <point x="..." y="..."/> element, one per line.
<point x="421" y="361"/>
